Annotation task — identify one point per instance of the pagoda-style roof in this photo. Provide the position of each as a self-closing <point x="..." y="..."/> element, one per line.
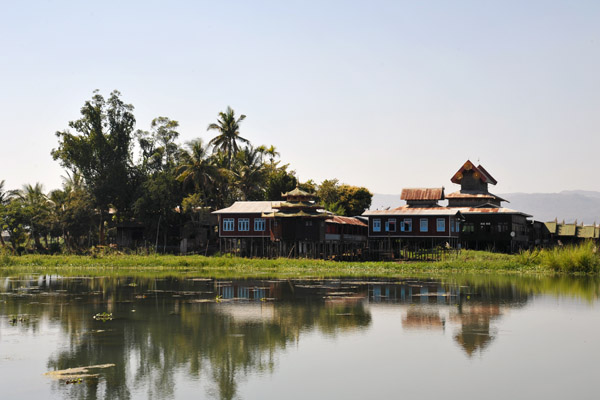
<point x="297" y="192"/>
<point x="296" y="213"/>
<point x="296" y="204"/>
<point x="478" y="173"/>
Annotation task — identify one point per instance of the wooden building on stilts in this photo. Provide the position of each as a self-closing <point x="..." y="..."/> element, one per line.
<point x="295" y="227"/>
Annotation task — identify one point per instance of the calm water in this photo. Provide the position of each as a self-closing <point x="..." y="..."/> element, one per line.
<point x="455" y="338"/>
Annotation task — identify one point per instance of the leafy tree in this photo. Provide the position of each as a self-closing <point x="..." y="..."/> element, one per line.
<point x="355" y="200"/>
<point x="343" y="199"/>
<point x="309" y="186"/>
<point x="160" y="193"/>
<point x="100" y="151"/>
<point x="74" y="215"/>
<point x="14" y="221"/>
<point x="159" y="150"/>
<point x="328" y="192"/>
<point x="228" y="128"/>
<point x="278" y="181"/>
<point x="3" y="203"/>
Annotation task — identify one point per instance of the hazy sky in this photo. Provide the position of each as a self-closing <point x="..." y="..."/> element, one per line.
<point x="379" y="94"/>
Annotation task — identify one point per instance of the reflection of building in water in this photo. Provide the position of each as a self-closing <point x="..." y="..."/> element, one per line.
<point x="413" y="292"/>
<point x="248" y="290"/>
<point x="475" y="333"/>
<point x="423" y="319"/>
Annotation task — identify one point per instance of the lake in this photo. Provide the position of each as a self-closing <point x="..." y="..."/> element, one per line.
<point x="452" y="337"/>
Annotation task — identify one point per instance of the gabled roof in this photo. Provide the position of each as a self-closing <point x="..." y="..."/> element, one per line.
<point x="433" y="194"/>
<point x="479" y="172"/>
<point x="248" y="207"/>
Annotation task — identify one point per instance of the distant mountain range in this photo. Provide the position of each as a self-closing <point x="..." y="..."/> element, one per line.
<point x="570" y="205"/>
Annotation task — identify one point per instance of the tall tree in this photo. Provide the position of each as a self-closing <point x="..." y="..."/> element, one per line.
<point x="159" y="150"/>
<point x="36" y="208"/>
<point x="196" y="169"/>
<point x="279" y="180"/>
<point x="249" y="174"/>
<point x="3" y="203"/>
<point x="228" y="128"/>
<point x="100" y="151"/>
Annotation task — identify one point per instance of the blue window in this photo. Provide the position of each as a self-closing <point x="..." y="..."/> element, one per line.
<point x="376" y="225"/>
<point x="228" y="224"/>
<point x="441" y="225"/>
<point x="243" y="224"/>
<point x="259" y="224"/>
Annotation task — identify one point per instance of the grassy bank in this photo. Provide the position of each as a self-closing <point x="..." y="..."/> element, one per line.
<point x="570" y="260"/>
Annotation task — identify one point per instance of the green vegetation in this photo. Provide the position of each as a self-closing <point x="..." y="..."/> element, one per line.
<point x="582" y="258"/>
<point x="570" y="260"/>
<point x="117" y="174"/>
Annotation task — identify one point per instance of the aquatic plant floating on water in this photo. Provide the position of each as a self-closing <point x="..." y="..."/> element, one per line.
<point x="103" y="316"/>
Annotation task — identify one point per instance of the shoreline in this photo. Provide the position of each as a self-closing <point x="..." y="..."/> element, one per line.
<point x="467" y="261"/>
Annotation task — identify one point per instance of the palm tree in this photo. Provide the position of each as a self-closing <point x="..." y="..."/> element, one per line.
<point x="249" y="173"/>
<point x="229" y="134"/>
<point x="196" y="167"/>
<point x="272" y="153"/>
<point x="37" y="206"/>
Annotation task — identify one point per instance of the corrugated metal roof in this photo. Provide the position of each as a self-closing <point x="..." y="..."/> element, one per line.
<point x="422" y="194"/>
<point x="248" y="207"/>
<point x="481" y="210"/>
<point x="345" y="220"/>
<point x="467" y="195"/>
<point x="415" y="211"/>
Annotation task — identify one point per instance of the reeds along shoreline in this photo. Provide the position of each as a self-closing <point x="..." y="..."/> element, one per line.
<point x="577" y="259"/>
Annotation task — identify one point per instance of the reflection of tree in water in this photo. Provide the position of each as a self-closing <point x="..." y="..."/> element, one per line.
<point x="475" y="332"/>
<point x="480" y="305"/>
<point x="151" y="346"/>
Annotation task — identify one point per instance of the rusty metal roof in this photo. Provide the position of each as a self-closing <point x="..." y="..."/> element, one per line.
<point x="345" y="221"/>
<point x="490" y="210"/>
<point x="248" y="207"/>
<point x="422" y="194"/>
<point x="467" y="195"/>
<point x="415" y="211"/>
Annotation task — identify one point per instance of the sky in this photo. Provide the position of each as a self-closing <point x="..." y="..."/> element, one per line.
<point x="380" y="94"/>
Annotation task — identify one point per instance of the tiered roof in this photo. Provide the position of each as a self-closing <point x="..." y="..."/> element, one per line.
<point x="298" y="204"/>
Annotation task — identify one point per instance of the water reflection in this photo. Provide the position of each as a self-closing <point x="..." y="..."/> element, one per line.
<point x="169" y="332"/>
